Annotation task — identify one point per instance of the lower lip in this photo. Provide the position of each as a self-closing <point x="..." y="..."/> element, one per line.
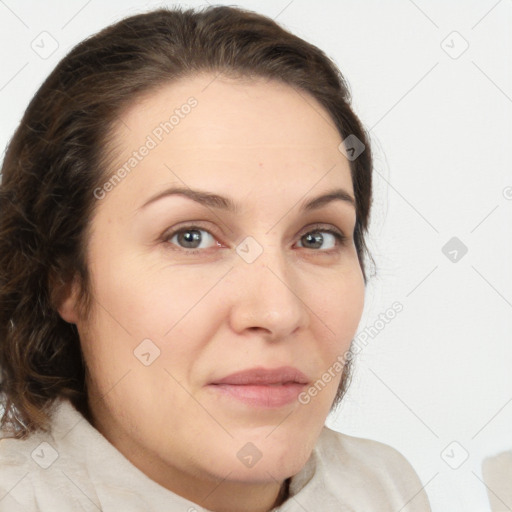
<point x="269" y="396"/>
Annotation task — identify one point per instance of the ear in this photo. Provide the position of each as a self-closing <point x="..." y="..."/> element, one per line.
<point x="65" y="299"/>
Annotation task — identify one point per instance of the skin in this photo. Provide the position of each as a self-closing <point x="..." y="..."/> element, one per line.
<point x="211" y="313"/>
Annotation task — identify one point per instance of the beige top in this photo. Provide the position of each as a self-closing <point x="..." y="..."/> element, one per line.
<point x="76" y="469"/>
<point x="497" y="472"/>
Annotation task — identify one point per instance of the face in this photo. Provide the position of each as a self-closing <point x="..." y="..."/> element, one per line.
<point x="213" y="313"/>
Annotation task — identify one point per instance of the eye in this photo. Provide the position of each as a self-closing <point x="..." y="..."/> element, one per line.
<point x="192" y="237"/>
<point x="324" y="239"/>
<point x="195" y="239"/>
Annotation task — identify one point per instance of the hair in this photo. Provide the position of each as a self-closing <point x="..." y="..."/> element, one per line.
<point x="59" y="154"/>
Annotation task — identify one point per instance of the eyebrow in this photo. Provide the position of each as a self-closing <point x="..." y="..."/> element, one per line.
<point x="225" y="203"/>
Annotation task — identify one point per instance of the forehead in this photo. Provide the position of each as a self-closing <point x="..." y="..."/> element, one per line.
<point x="211" y="132"/>
<point x="252" y="112"/>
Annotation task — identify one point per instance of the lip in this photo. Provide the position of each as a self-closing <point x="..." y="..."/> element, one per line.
<point x="262" y="387"/>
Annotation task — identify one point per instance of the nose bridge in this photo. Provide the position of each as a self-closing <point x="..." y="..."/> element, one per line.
<point x="267" y="295"/>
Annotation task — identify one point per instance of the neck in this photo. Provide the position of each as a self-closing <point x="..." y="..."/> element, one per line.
<point x="246" y="497"/>
<point x="216" y="495"/>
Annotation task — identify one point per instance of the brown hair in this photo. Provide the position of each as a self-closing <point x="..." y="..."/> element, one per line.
<point x="59" y="155"/>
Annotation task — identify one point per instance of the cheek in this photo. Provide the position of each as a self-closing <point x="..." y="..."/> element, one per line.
<point x="141" y="309"/>
<point x="335" y="309"/>
<point x="147" y="298"/>
<point x="340" y="306"/>
<point x="342" y="309"/>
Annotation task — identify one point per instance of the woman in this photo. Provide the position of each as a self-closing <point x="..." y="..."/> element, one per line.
<point x="183" y="212"/>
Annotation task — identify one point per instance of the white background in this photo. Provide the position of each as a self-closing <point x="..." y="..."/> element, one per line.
<point x="441" y="128"/>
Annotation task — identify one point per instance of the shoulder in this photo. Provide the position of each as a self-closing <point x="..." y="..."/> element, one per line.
<point x="374" y="471"/>
<point x="15" y="474"/>
<point x="378" y="454"/>
<point x="33" y="466"/>
<point x="497" y="474"/>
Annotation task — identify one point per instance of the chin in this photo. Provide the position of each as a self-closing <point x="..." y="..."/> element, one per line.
<point x="265" y="471"/>
<point x="262" y="460"/>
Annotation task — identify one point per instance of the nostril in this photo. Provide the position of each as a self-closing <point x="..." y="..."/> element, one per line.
<point x="257" y="328"/>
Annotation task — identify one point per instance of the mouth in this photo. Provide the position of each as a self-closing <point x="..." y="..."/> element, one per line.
<point x="261" y="387"/>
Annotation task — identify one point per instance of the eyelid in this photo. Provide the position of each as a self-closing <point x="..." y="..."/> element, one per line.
<point x="190" y="226"/>
<point x="197" y="225"/>
<point x="322" y="226"/>
<point x="341" y="239"/>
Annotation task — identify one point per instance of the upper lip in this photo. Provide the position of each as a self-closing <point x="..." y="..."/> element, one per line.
<point x="264" y="376"/>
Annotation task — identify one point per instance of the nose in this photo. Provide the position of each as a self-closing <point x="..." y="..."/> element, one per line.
<point x="268" y="297"/>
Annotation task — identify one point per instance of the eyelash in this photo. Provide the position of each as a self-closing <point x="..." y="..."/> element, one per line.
<point x="340" y="238"/>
